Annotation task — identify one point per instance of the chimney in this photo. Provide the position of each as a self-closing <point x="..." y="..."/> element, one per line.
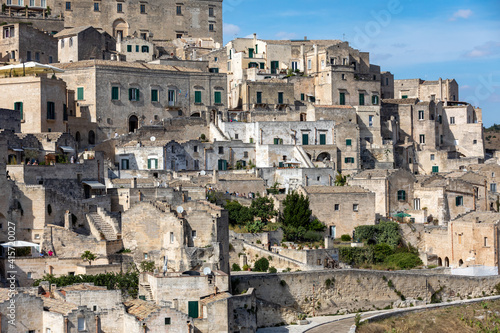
<point x="215" y="177"/>
<point x="67" y="220"/>
<point x="254" y="38"/>
<point x="305" y="37"/>
<point x="133" y="183"/>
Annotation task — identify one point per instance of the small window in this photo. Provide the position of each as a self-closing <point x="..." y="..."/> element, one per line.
<point x="474" y="142"/>
<point x="435" y="169"/>
<point x="28" y="55"/>
<point x="361" y="99"/>
<point x="422" y="138"/>
<point x="80" y="95"/>
<point x="459" y="201"/>
<point x="172" y="237"/>
<point x="197" y="97"/>
<point x="401" y="195"/>
<point x="211" y="11"/>
<point x="355" y="207"/>
<point x="195" y="149"/>
<point x="152" y="163"/>
<point x="433" y="157"/>
<point x="119" y="7"/>
<point x="493" y="187"/>
<point x="145" y="48"/>
<point x="421" y="115"/>
<point x="452" y="120"/>
<point x="221" y="150"/>
<point x="68" y="5"/>
<point x="236" y="136"/>
<point x="96" y="6"/>
<point x="245" y="154"/>
<point x="18" y="106"/>
<point x="193" y="233"/>
<point x="137" y="48"/>
<point x="51" y="111"/>
<point x="218" y="97"/>
<point x="179" y="10"/>
<point x="154" y="95"/>
<point x="129" y="48"/>
<point x="348" y="142"/>
<point x="168" y="321"/>
<point x="145" y="255"/>
<point x="133" y="94"/>
<point x="343" y="77"/>
<point x="211" y="27"/>
<point x="143" y="9"/>
<point x="375" y="100"/>
<point x="337" y="207"/>
<point x="81" y="323"/>
<point x="115" y="93"/>
<point x="178" y="36"/>
<point x="309" y="64"/>
<point x="485" y="241"/>
<point x="29" y="275"/>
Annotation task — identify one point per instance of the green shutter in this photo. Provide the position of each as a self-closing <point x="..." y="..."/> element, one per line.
<point x="435" y="169"/>
<point x="276" y="141"/>
<point x="256" y="48"/>
<point x="305" y="139"/>
<point x="259" y="97"/>
<point x="149" y="163"/>
<point x="405" y="96"/>
<point x="137" y="48"/>
<point x="348" y="142"/>
<point x="281" y="164"/>
<point x="79" y="93"/>
<point x="322" y="139"/>
<point x="197" y="97"/>
<point x="458" y="201"/>
<point x="193" y="309"/>
<point x="154" y="95"/>
<point x="302" y="97"/>
<point x="130" y="94"/>
<point x="137" y="94"/>
<point x="115" y="93"/>
<point x="250" y="53"/>
<point x="346" y="160"/>
<point x="218" y="97"/>
<point x="280" y="98"/>
<point x="342" y="98"/>
<point x="262" y="65"/>
<point x="156" y="163"/>
<point x="18" y="106"/>
<point x="361" y="99"/>
<point x="129" y="48"/>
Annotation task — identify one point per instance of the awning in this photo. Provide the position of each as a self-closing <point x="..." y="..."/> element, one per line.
<point x="95" y="185"/>
<point x="17" y="149"/>
<point x="29" y="68"/>
<point x="67" y="149"/>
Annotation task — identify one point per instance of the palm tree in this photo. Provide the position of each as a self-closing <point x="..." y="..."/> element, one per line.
<point x="88" y="256"/>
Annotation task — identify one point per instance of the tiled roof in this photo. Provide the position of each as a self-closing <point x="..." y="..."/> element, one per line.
<point x="83" y="286"/>
<point x="335" y="189"/>
<point x="140" y="309"/>
<point x="123" y="64"/>
<point x="55" y="305"/>
<point x="215" y="298"/>
<point x="483" y="217"/>
<point x="71" y="31"/>
<point x="401" y="101"/>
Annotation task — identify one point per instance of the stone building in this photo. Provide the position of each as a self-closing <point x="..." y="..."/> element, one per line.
<point x="136" y="49"/>
<point x="84" y="43"/>
<point x="21" y="42"/>
<point x="157" y="21"/>
<point x="440" y="90"/>
<point x="10" y="119"/>
<point x="121" y="97"/>
<point x="341" y="208"/>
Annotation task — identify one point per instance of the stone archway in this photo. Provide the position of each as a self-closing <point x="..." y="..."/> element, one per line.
<point x="322" y="156"/>
<point x="460" y="263"/>
<point x="440" y="262"/>
<point x="120" y="28"/>
<point x="133" y="123"/>
<point x="446" y="262"/>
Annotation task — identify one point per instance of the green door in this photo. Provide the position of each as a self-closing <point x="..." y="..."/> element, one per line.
<point x="342" y="98"/>
<point x="259" y="97"/>
<point x="250" y="53"/>
<point x="274" y="66"/>
<point x="222" y="165"/>
<point x="361" y="99"/>
<point x="322" y="139"/>
<point x="193" y="309"/>
<point x="305" y="139"/>
<point x="280" y="98"/>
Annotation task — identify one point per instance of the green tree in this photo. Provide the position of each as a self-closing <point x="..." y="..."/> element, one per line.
<point x="237" y="213"/>
<point x="88" y="256"/>
<point x="297" y="217"/>
<point x="255" y="227"/>
<point x="263" y="208"/>
<point x="147" y="266"/>
<point x="340" y="180"/>
<point x="261" y="265"/>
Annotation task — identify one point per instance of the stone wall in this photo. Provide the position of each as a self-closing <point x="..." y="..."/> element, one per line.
<point x="281" y="296"/>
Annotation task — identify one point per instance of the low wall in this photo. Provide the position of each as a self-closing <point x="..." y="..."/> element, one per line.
<point x="282" y="296"/>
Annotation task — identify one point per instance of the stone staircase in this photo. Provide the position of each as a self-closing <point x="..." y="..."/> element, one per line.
<point x="149" y="293"/>
<point x="104" y="227"/>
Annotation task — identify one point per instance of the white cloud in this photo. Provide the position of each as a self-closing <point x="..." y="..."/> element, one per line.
<point x="462" y="13"/>
<point x="231" y="29"/>
<point x="484" y="50"/>
<point x="286" y="35"/>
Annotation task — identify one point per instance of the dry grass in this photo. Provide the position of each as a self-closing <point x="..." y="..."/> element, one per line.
<point x="479" y="317"/>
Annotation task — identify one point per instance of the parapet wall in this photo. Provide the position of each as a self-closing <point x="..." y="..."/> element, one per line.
<point x="281" y="296"/>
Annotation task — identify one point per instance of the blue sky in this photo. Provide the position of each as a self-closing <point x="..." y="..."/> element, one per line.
<point x="411" y="38"/>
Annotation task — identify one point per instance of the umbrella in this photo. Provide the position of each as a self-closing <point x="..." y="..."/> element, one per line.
<point x="30" y="67"/>
<point x="401" y="214"/>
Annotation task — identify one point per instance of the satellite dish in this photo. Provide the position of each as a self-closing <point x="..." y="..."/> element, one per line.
<point x="152" y="139"/>
<point x="203" y="173"/>
<point x="180" y="210"/>
<point x="207" y="271"/>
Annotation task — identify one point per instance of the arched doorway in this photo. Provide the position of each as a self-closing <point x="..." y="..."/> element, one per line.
<point x="321" y="157"/>
<point x="303" y="117"/>
<point x="78" y="137"/>
<point x="133" y="123"/>
<point x="120" y="29"/>
<point x="91" y="137"/>
<point x="196" y="115"/>
<point x="446" y="262"/>
<point x="440" y="262"/>
<point x="460" y="263"/>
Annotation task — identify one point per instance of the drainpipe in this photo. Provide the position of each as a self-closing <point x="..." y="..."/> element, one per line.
<point x="97" y="324"/>
<point x="66" y="323"/>
<point x="485" y="195"/>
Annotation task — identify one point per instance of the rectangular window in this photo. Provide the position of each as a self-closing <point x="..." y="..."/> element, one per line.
<point x="119" y="7"/>
<point x="485" y="241"/>
<point x="195" y="149"/>
<point x="172" y="237"/>
<point x="305" y="139"/>
<point x="143" y="9"/>
<point x="309" y="64"/>
<point x="349" y="160"/>
<point x="348" y="142"/>
<point x="421" y="115"/>
<point x="168" y="321"/>
<point x="18" y="106"/>
<point x="115" y="93"/>
<point x="416" y="204"/>
<point x="210" y="27"/>
<point x="441" y="139"/>
<point x="259" y="97"/>
<point x="459" y="201"/>
<point x="433" y="157"/>
<point x="133" y="94"/>
<point x="81" y="323"/>
<point x="51" y="112"/>
<point x="154" y="95"/>
<point x="337" y="207"/>
<point x="152" y="163"/>
<point x="355" y="207"/>
<point x="280" y="98"/>
<point x="96" y="6"/>
<point x="322" y="139"/>
<point x="302" y="97"/>
<point x="342" y="98"/>
<point x="401" y="195"/>
<point x="68" y="5"/>
<point x="218" y="97"/>
<point x="137" y="48"/>
<point x="193" y="233"/>
<point x="179" y="10"/>
<point x="125" y="164"/>
<point x="422" y="138"/>
<point x="37" y="56"/>
<point x="361" y="99"/>
<point x="197" y="97"/>
<point x="193" y="309"/>
<point x="370" y="121"/>
<point x="79" y="93"/>
<point x="221" y="150"/>
<point x="452" y="120"/>
<point x="28" y="55"/>
<point x="405" y="96"/>
<point x="375" y="100"/>
<point x="211" y="11"/>
<point x="250" y="52"/>
<point x="171" y="97"/>
<point x="493" y="187"/>
<point x="129" y="48"/>
<point x="435" y="169"/>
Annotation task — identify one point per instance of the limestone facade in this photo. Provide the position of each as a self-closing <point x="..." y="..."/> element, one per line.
<point x="84" y="43"/>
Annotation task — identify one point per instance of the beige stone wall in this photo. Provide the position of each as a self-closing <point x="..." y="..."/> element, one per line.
<point x="28" y="314"/>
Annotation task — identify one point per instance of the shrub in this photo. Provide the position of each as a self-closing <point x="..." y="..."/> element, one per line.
<point x="273" y="270"/>
<point x="381" y="252"/>
<point x="261" y="265"/>
<point x="497" y="288"/>
<point x="255" y="227"/>
<point x="236" y="267"/>
<point x="246" y="267"/>
<point x="147" y="266"/>
<point x="404" y="260"/>
<point x="345" y="238"/>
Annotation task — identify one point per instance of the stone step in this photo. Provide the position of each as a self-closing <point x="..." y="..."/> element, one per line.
<point x="103" y="226"/>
